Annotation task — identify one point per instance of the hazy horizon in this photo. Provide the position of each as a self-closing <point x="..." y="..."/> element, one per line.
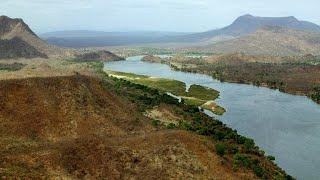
<point x="149" y="15"/>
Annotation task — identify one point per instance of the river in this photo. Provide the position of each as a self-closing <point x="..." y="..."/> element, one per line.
<point x="283" y="125"/>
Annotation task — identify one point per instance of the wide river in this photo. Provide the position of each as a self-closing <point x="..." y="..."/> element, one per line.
<point x="283" y="125"/>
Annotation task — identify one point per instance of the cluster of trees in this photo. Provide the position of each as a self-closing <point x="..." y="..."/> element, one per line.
<point x="315" y="95"/>
<point x="144" y="96"/>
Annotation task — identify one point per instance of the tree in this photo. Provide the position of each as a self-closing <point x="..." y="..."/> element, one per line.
<point x="220" y="149"/>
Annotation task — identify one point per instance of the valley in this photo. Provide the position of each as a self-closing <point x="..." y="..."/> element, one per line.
<point x="237" y="102"/>
<point x="62" y="116"/>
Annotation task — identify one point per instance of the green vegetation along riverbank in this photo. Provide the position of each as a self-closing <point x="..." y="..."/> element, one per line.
<point x="196" y="95"/>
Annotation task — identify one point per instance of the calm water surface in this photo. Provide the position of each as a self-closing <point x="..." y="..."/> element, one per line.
<point x="285" y="126"/>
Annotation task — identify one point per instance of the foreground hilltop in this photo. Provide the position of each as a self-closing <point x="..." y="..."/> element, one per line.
<point x="86" y="127"/>
<point x="85" y="130"/>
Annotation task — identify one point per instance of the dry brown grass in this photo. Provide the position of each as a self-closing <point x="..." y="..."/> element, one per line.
<point x="73" y="127"/>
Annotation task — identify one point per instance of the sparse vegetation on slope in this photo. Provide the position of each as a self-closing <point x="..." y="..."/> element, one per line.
<point x="152" y="59"/>
<point x="17" y="48"/>
<point x="98" y="56"/>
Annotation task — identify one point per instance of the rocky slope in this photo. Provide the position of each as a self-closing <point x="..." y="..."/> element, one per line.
<point x="17" y="48"/>
<point x="17" y="29"/>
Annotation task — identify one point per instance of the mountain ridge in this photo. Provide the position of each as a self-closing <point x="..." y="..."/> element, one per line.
<point x="270" y="40"/>
<point x="16" y="28"/>
<point x="247" y="24"/>
<point x="241" y="26"/>
<point x="8" y="23"/>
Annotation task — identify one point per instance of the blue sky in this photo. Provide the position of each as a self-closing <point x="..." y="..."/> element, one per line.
<point x="156" y="15"/>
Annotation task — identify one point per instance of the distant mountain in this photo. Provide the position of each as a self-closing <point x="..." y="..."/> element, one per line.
<point x="88" y="33"/>
<point x="247" y="24"/>
<point x="81" y="39"/>
<point x="242" y="26"/>
<point x="271" y="40"/>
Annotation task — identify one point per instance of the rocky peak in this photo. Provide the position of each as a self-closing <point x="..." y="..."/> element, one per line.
<point x="8" y="24"/>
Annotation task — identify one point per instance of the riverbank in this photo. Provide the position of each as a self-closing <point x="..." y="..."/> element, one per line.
<point x="288" y="75"/>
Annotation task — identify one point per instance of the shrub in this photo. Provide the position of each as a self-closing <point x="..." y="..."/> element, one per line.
<point x="241" y="139"/>
<point x="271" y="158"/>
<point x="169" y="100"/>
<point x="249" y="144"/>
<point x="220" y="149"/>
<point x="258" y="170"/>
<point x="156" y="122"/>
<point x="185" y="125"/>
<point x="233" y="149"/>
<point x="171" y="126"/>
<point x="241" y="160"/>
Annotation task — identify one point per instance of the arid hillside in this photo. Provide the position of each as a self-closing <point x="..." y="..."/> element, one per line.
<point x="17" y="48"/>
<point x="84" y="127"/>
<point x="74" y="127"/>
